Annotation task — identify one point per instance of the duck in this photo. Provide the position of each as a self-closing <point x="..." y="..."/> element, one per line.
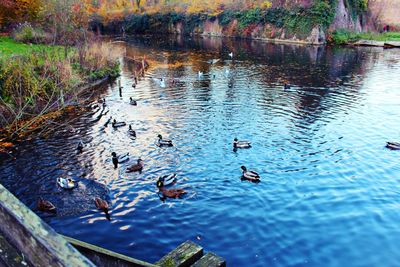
<point x="163" y="142"/>
<point x="45" y="206"/>
<point x="200" y="74"/>
<point x="80" y="147"/>
<point x="116" y="124"/>
<point x="393" y="145"/>
<point x="162" y="82"/>
<point x="166" y="180"/>
<point x="132" y="102"/>
<point x="101" y="204"/>
<point x="119" y="159"/>
<point x="171" y="193"/>
<point x="286" y="86"/>
<point x="131" y="131"/>
<point x="241" y="144"/>
<point x="137" y="167"/>
<point x="67" y="183"/>
<point x="250" y="175"/>
<point x="108" y="121"/>
<point x="231" y="54"/>
<point x="214" y="61"/>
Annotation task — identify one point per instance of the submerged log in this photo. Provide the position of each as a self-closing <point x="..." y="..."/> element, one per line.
<point x="392" y="44"/>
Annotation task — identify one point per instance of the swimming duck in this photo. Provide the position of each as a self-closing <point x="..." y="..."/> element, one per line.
<point x="132" y="102"/>
<point x="163" y="142"/>
<point x="241" y="144"/>
<point x="162" y="82"/>
<point x="80" y="147"/>
<point x="286" y="86"/>
<point x="231" y="54"/>
<point x="171" y="193"/>
<point x="133" y="85"/>
<point x="66" y="183"/>
<point x="214" y="61"/>
<point x="108" y="121"/>
<point x="45" y="205"/>
<point x="200" y="74"/>
<point x="137" y="167"/>
<point x="166" y="180"/>
<point x="116" y="124"/>
<point x="119" y="159"/>
<point x="131" y="131"/>
<point x="250" y="175"/>
<point x="393" y="145"/>
<point x="101" y="204"/>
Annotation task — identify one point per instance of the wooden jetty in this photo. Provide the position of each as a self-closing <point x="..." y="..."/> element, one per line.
<point x="26" y="240"/>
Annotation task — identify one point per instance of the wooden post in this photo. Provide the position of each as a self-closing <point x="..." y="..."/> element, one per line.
<point x="37" y="241"/>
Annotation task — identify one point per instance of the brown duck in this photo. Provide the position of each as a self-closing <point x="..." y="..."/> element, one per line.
<point x="137" y="167"/>
<point x="45" y="206"/>
<point x="171" y="193"/>
<point x="101" y="204"/>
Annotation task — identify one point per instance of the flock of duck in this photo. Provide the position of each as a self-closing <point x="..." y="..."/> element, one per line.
<point x="163" y="182"/>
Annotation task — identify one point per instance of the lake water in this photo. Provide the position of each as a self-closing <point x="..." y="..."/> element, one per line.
<point x="329" y="193"/>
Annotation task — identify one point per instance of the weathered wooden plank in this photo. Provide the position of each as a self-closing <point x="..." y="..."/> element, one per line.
<point x="183" y="256"/>
<point x="210" y="260"/>
<point x="9" y="256"/>
<point x="105" y="258"/>
<point x="40" y="244"/>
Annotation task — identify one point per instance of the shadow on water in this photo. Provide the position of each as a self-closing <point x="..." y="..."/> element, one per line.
<point x="314" y="145"/>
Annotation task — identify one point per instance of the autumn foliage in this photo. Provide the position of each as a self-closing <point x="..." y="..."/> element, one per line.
<point x="19" y="10"/>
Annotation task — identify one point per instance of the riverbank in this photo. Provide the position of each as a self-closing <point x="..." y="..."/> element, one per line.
<point x="341" y="37"/>
<point x="39" y="81"/>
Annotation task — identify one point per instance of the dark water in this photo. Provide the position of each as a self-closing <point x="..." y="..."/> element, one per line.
<point x="330" y="190"/>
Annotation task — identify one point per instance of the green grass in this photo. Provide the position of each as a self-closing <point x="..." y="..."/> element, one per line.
<point x="343" y="36"/>
<point x="9" y="47"/>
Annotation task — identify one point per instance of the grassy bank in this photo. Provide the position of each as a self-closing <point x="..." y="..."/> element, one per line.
<point x="345" y="37"/>
<point x="9" y="47"/>
<point x="41" y="79"/>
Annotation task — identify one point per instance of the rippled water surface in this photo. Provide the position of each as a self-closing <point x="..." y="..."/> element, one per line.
<point x="329" y="193"/>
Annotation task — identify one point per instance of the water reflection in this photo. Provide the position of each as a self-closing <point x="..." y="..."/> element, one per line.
<point x="318" y="147"/>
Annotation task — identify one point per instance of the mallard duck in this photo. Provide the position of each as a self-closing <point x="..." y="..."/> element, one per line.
<point x="286" y="86"/>
<point x="172" y="193"/>
<point x="163" y="142"/>
<point x="45" y="205"/>
<point x="119" y="159"/>
<point x="116" y="124"/>
<point x="393" y="145"/>
<point x="131" y="131"/>
<point x="162" y="82"/>
<point x="241" y="144"/>
<point x="80" y="147"/>
<point x="101" y="204"/>
<point x="214" y="61"/>
<point x="66" y="183"/>
<point x="137" y="167"/>
<point x="250" y="175"/>
<point x="166" y="180"/>
<point x="132" y="102"/>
